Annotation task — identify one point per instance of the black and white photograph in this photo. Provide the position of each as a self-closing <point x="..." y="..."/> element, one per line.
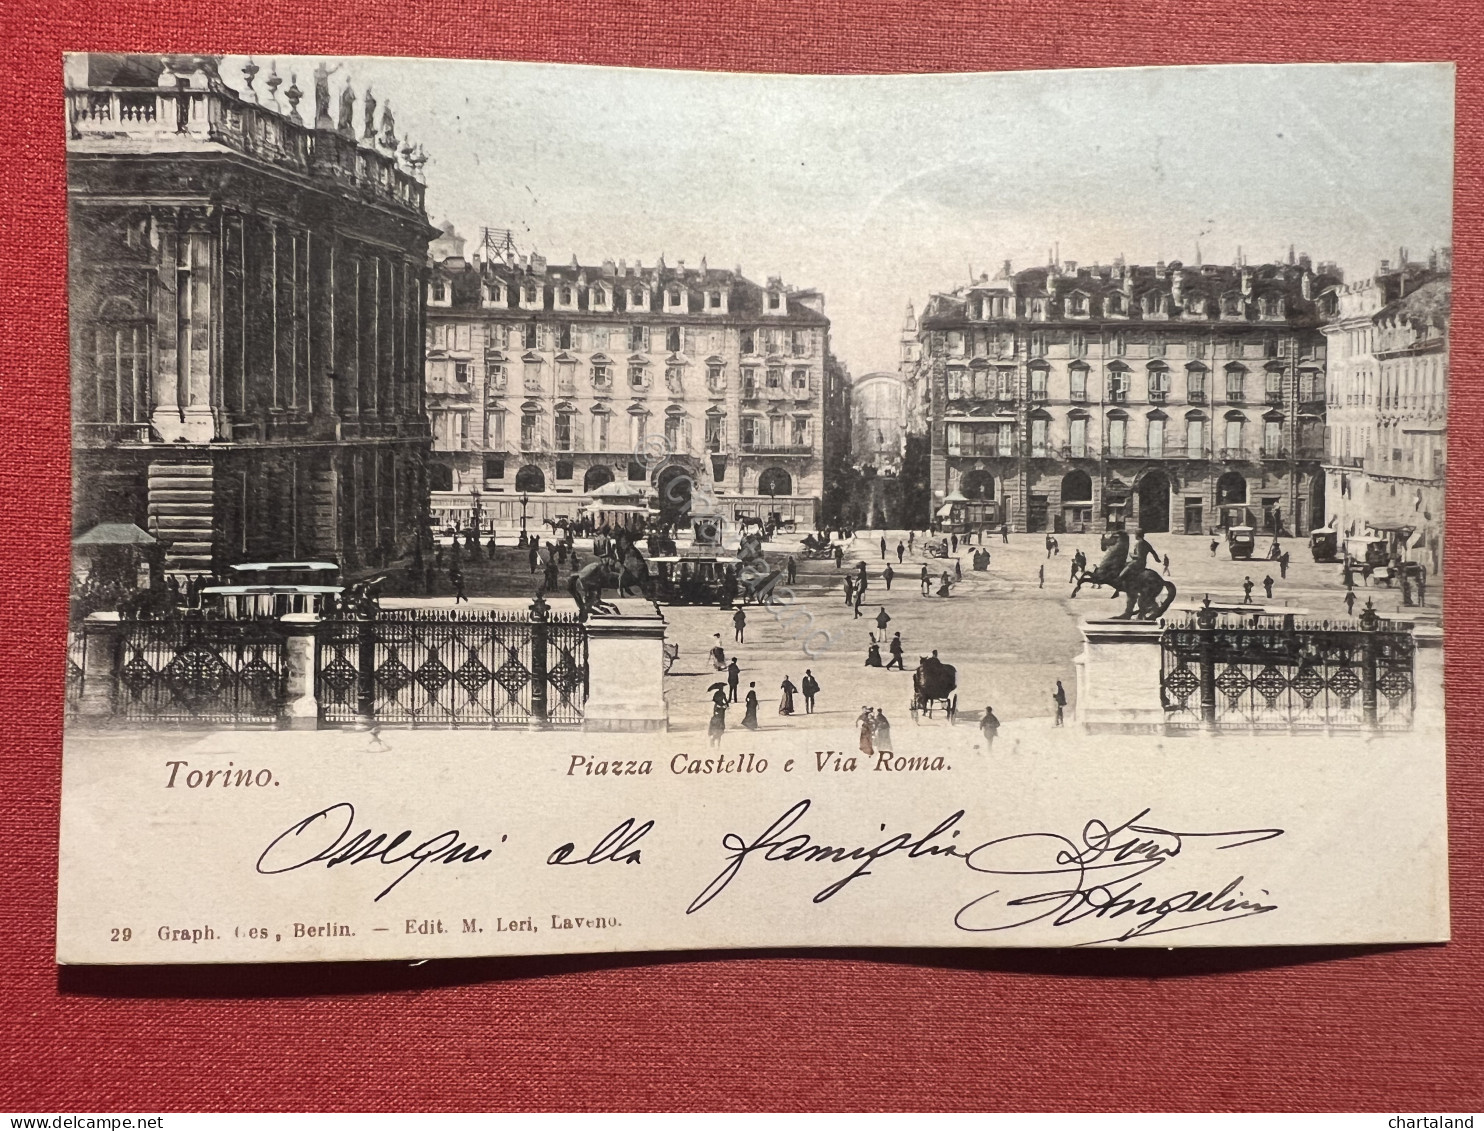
<point x="936" y="510"/>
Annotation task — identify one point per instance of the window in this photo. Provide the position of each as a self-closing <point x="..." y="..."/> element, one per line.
<point x="1077" y="431"/>
<point x="749" y="383"/>
<point x="1195" y="438"/>
<point x="563" y="434"/>
<point x="799" y="432"/>
<point x="1273" y="386"/>
<point x="1077" y="343"/>
<point x="639" y="338"/>
<point x="1038" y="436"/>
<point x="749" y="431"/>
<point x="749" y="341"/>
<point x="1159" y="385"/>
<point x="673" y="297"/>
<point x="494" y="372"/>
<point x="602" y="377"/>
<point x="675" y="378"/>
<point x="957" y="387"/>
<point x="532" y="376"/>
<point x="1272" y="437"/>
<point x="1236" y="384"/>
<point x="565" y="295"/>
<point x="494" y="432"/>
<point x="638" y="377"/>
<point x="494" y="467"/>
<point x="1270" y="347"/>
<point x="1195" y="384"/>
<point x="801" y="380"/>
<point x="1077" y="303"/>
<point x="530" y="336"/>
<point x="775" y="300"/>
<point x="1004" y="437"/>
<point x="600" y="431"/>
<point x="716" y="378"/>
<point x="800" y="343"/>
<point x="1157" y="346"/>
<point x="1038" y="383"/>
<point x="531" y="293"/>
<point x="1038" y="343"/>
<point x="564" y="337"/>
<point x="597" y="296"/>
<point x="440" y="477"/>
<point x="1077" y="376"/>
<point x="674" y="427"/>
<point x="1156" y="438"/>
<point x="672" y="339"/>
<point x="564" y="469"/>
<point x="1117" y="435"/>
<point x="1118" y="385"/>
<point x="715" y="431"/>
<point x="1234" y="438"/>
<point x="461" y="372"/>
<point x="775" y="377"/>
<point x="1118" y="344"/>
<point x="1196" y="347"/>
<point x="529" y="431"/>
<point x="713" y="299"/>
<point x="440" y="292"/>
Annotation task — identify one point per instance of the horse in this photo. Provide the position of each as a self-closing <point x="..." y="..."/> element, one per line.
<point x="586" y="587"/>
<point x="1142" y="591"/>
<point x="934" y="682"/>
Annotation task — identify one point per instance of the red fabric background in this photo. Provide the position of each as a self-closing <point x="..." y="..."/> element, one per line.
<point x="1391" y="1029"/>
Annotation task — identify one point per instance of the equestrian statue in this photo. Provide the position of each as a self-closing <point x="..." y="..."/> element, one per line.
<point x="1126" y="571"/>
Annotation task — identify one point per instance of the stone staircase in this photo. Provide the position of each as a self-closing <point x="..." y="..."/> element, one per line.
<point x="181" y="511"/>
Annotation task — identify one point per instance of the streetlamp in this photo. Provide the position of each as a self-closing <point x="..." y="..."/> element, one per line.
<point x="477" y="513"/>
<point x="524" y="538"/>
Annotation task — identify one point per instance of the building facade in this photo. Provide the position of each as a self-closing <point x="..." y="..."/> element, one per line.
<point x="1166" y="397"/>
<point x="246" y="316"/>
<point x="546" y="382"/>
<point x="1388" y="395"/>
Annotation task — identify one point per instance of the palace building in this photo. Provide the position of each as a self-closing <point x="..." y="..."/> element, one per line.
<point x="546" y="382"/>
<point x="1388" y="402"/>
<point x="246" y="314"/>
<point x="1172" y="398"/>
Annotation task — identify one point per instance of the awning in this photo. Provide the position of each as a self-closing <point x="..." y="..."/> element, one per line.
<point x="945" y="510"/>
<point x="114" y="534"/>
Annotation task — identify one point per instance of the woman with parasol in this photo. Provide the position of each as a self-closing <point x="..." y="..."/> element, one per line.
<point x="873" y="653"/>
<point x="718" y="724"/>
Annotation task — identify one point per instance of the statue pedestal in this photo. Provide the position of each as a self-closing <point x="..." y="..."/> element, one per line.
<point x="626" y="670"/>
<point x="1118" y="678"/>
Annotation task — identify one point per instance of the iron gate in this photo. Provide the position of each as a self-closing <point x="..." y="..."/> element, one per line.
<point x="1227" y="672"/>
<point x="434" y="668"/>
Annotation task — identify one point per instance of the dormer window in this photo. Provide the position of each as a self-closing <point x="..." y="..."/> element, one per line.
<point x="1077" y="304"/>
<point x="440" y="292"/>
<point x="597" y="297"/>
<point x="713" y="300"/>
<point x="638" y="299"/>
<point x="1116" y="305"/>
<point x="1038" y="308"/>
<point x="775" y="301"/>
<point x="532" y="293"/>
<point x="494" y="294"/>
<point x="674" y="299"/>
<point x="564" y="295"/>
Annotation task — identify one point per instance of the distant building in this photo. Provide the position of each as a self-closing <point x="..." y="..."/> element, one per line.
<point x="878" y="422"/>
<point x="1167" y="397"/>
<point x="1388" y="396"/>
<point x="549" y="381"/>
<point x="246" y="316"/>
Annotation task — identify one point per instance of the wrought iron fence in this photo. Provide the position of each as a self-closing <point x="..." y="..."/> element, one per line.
<point x="434" y="668"/>
<point x="77" y="662"/>
<point x="199" y="670"/>
<point x="1227" y="672"/>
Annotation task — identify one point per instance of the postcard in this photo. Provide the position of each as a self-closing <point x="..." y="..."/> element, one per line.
<point x="526" y="508"/>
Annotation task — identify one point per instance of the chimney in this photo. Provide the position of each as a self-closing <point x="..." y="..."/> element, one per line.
<point x="1385" y="266"/>
<point x="1305" y="262"/>
<point x="1306" y="285"/>
<point x="1005" y="271"/>
<point x="1070" y="267"/>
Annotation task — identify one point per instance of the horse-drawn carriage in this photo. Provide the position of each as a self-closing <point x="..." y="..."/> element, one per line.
<point x="816" y="548"/>
<point x="937" y="549"/>
<point x="694" y="580"/>
<point x="934" y="683"/>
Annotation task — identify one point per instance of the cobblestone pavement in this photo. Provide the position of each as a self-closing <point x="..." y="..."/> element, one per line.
<point x="1010" y="637"/>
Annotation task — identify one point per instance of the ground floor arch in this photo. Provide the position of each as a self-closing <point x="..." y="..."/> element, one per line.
<point x="977" y="484"/>
<point x="596" y="477"/>
<point x="1076" y="487"/>
<point x="530" y="479"/>
<point x="1231" y="490"/>
<point x="775" y="481"/>
<point x="1154" y="503"/>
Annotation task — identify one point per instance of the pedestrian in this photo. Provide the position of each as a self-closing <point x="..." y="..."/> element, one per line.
<point x="1167" y="565"/>
<point x="1350" y="602"/>
<point x="1005" y="533"/>
<point x="989" y="726"/>
<point x="793" y="570"/>
<point x="865" y="720"/>
<point x="810" y="687"/>
<point x="887" y="575"/>
<point x="1215" y="544"/>
<point x="946" y="586"/>
<point x="883" y="618"/>
<point x="1048" y="545"/>
<point x="718" y="654"/>
<point x="926" y="581"/>
<point x="860" y="592"/>
<point x="739" y="625"/>
<point x="1055" y="548"/>
<point x="1079" y="563"/>
<point x="1347" y="573"/>
<point x="953" y="541"/>
<point x="734" y="677"/>
<point x="911" y="538"/>
<point x="786" y="700"/>
<point x="1247" y="590"/>
<point x="896" y="653"/>
<point x="901" y="552"/>
<point x="1422" y="587"/>
<point x="958" y="570"/>
<point x="1041" y="576"/>
<point x="1267" y="585"/>
<point x="718" y="724"/>
<point x="873" y="653"/>
<point x="849" y="589"/>
<point x="1059" y="697"/>
<point x="1283" y="564"/>
<point x="749" y="716"/>
<point x="883" y="547"/>
<point x="839" y="555"/>
<point x="881" y="731"/>
<point x="456" y="575"/>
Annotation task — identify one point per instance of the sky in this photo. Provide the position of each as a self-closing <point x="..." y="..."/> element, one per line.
<point x="879" y="190"/>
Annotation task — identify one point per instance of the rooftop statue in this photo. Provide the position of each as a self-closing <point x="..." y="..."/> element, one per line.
<point x="322" y="75"/>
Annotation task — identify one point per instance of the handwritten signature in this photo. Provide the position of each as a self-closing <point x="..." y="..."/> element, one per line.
<point x="326" y="833"/>
<point x="1095" y="879"/>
